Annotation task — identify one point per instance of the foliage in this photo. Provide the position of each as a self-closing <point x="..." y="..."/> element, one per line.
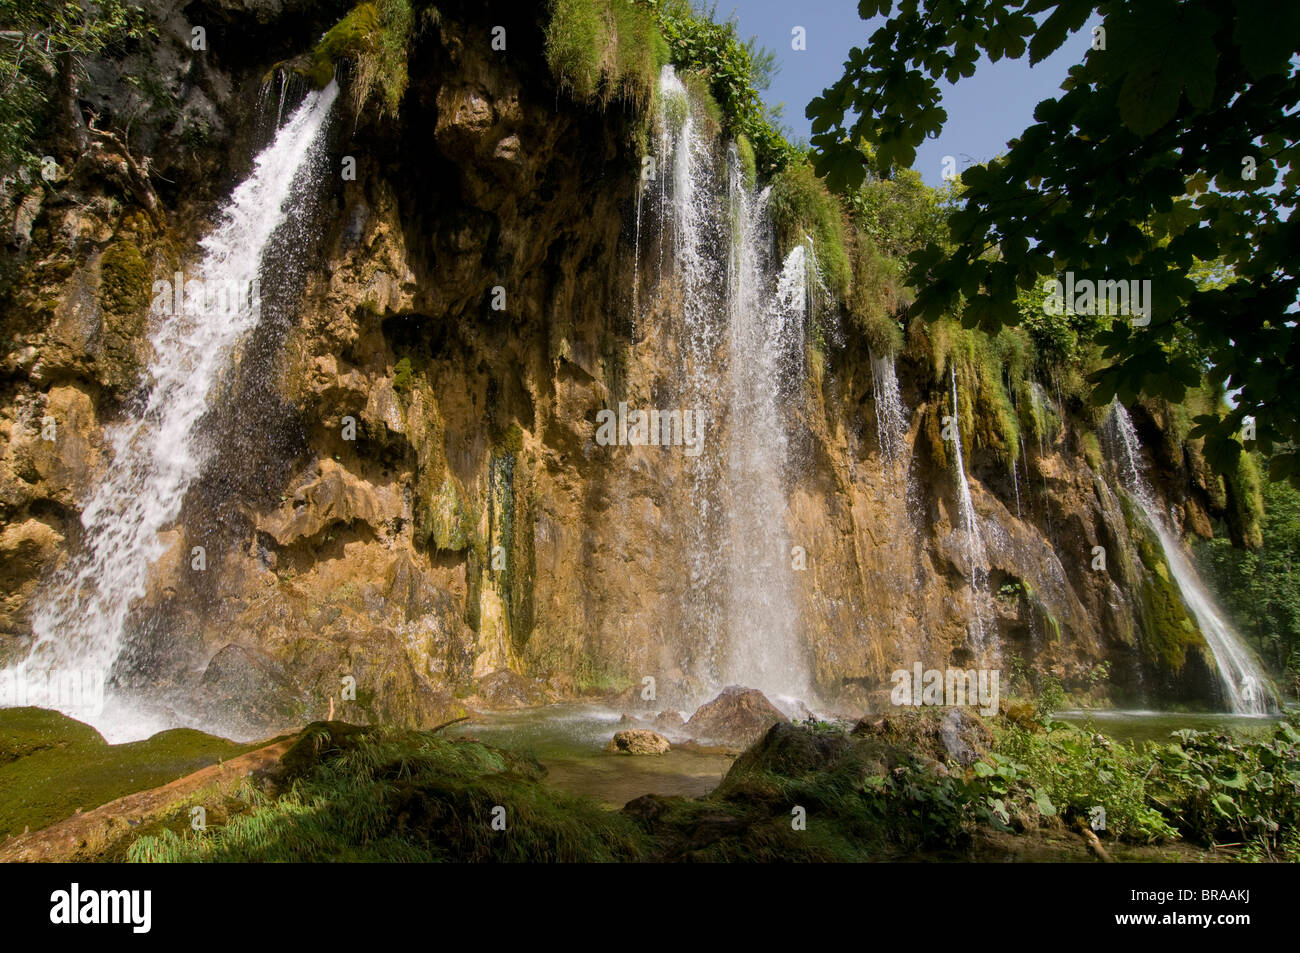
<point x="1261" y="587"/>
<point x="901" y="214"/>
<point x="800" y="207"/>
<point x="1217" y="789"/>
<point x="38" y="38"/>
<point x="1135" y="172"/>
<point x="736" y="71"/>
<point x="388" y="795"/>
<point x="1078" y="770"/>
<point x="603" y="50"/>
<point x="374" y="37"/>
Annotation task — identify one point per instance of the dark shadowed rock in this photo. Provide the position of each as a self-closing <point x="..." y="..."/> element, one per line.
<point x="248" y="686"/>
<point x="739" y="716"/>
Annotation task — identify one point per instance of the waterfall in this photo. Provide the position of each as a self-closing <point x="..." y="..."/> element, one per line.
<point x="891" y="415"/>
<point x="80" y="618"/>
<point x="973" y="541"/>
<point x="739" y="328"/>
<point x="765" y="353"/>
<point x="1247" y="688"/>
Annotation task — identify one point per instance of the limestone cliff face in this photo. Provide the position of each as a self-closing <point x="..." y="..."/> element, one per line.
<point x="463" y="308"/>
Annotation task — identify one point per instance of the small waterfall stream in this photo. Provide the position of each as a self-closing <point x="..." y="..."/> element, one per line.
<point x="80" y="620"/>
<point x="976" y="559"/>
<point x="891" y="415"/>
<point x="1247" y="688"/>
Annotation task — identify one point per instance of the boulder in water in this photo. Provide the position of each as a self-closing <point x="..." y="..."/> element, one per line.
<point x="638" y="741"/>
<point x="670" y="720"/>
<point x="739" y="716"/>
<point x="506" y="689"/>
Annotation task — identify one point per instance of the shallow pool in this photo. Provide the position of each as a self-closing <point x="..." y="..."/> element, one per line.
<point x="570" y="741"/>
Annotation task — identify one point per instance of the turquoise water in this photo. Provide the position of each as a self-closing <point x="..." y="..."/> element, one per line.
<point x="570" y="740"/>
<point x="1144" y="727"/>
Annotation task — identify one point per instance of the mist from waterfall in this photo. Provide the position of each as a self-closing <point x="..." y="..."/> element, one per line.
<point x="1245" y="685"/>
<point x="972" y="539"/>
<point x="891" y="415"/>
<point x="739" y="328"/>
<point x="81" y="616"/>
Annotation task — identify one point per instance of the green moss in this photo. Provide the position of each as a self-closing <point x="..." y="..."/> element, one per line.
<point x="602" y="50"/>
<point x="1245" y="495"/>
<point x="124" y="279"/>
<point x="876" y="296"/>
<point x="745" y="152"/>
<point x="124" y="288"/>
<point x="404" y="376"/>
<point x="51" y="766"/>
<point x="1092" y="451"/>
<point x="802" y="208"/>
<point x="512" y="441"/>
<point x="1168" y="630"/>
<point x="374" y="38"/>
<point x="443" y="520"/>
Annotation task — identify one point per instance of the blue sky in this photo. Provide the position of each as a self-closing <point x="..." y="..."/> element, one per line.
<point x="984" y="110"/>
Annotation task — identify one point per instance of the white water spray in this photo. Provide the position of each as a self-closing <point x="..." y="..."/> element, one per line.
<point x="80" y="619"/>
<point x="1247" y="688"/>
<point x="891" y="415"/>
<point x="740" y="336"/>
<point x="976" y="560"/>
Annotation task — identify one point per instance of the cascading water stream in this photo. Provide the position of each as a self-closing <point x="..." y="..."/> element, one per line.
<point x="1247" y="688"/>
<point x="80" y="620"/>
<point x="740" y="338"/>
<point x="891" y="415"/>
<point x="976" y="560"/>
<point x="765" y="348"/>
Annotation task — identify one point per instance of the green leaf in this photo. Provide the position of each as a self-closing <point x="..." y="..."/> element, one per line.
<point x="1267" y="34"/>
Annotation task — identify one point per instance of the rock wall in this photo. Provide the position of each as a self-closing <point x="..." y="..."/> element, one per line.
<point x="466" y="306"/>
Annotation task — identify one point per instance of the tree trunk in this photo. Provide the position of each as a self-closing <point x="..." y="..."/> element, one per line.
<point x="74" y="125"/>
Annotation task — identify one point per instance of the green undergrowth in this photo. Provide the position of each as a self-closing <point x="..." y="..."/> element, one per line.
<point x="605" y="50"/>
<point x="384" y="795"/>
<point x="893" y="788"/>
<point x="374" y="40"/>
<point x="802" y="208"/>
<point x="52" y="766"/>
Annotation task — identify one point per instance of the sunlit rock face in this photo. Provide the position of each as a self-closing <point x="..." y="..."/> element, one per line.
<point x="404" y="493"/>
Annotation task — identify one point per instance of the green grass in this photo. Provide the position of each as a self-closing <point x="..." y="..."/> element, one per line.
<point x="384" y="795"/>
<point x="374" y="38"/>
<point x="605" y="50"/>
<point x="51" y="766"/>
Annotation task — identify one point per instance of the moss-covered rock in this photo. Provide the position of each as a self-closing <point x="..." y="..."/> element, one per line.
<point x="52" y="766"/>
<point x="124" y="288"/>
<point x="443" y="520"/>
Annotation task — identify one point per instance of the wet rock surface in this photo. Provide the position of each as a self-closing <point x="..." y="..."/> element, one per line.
<point x="739" y="716"/>
<point x="638" y="741"/>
